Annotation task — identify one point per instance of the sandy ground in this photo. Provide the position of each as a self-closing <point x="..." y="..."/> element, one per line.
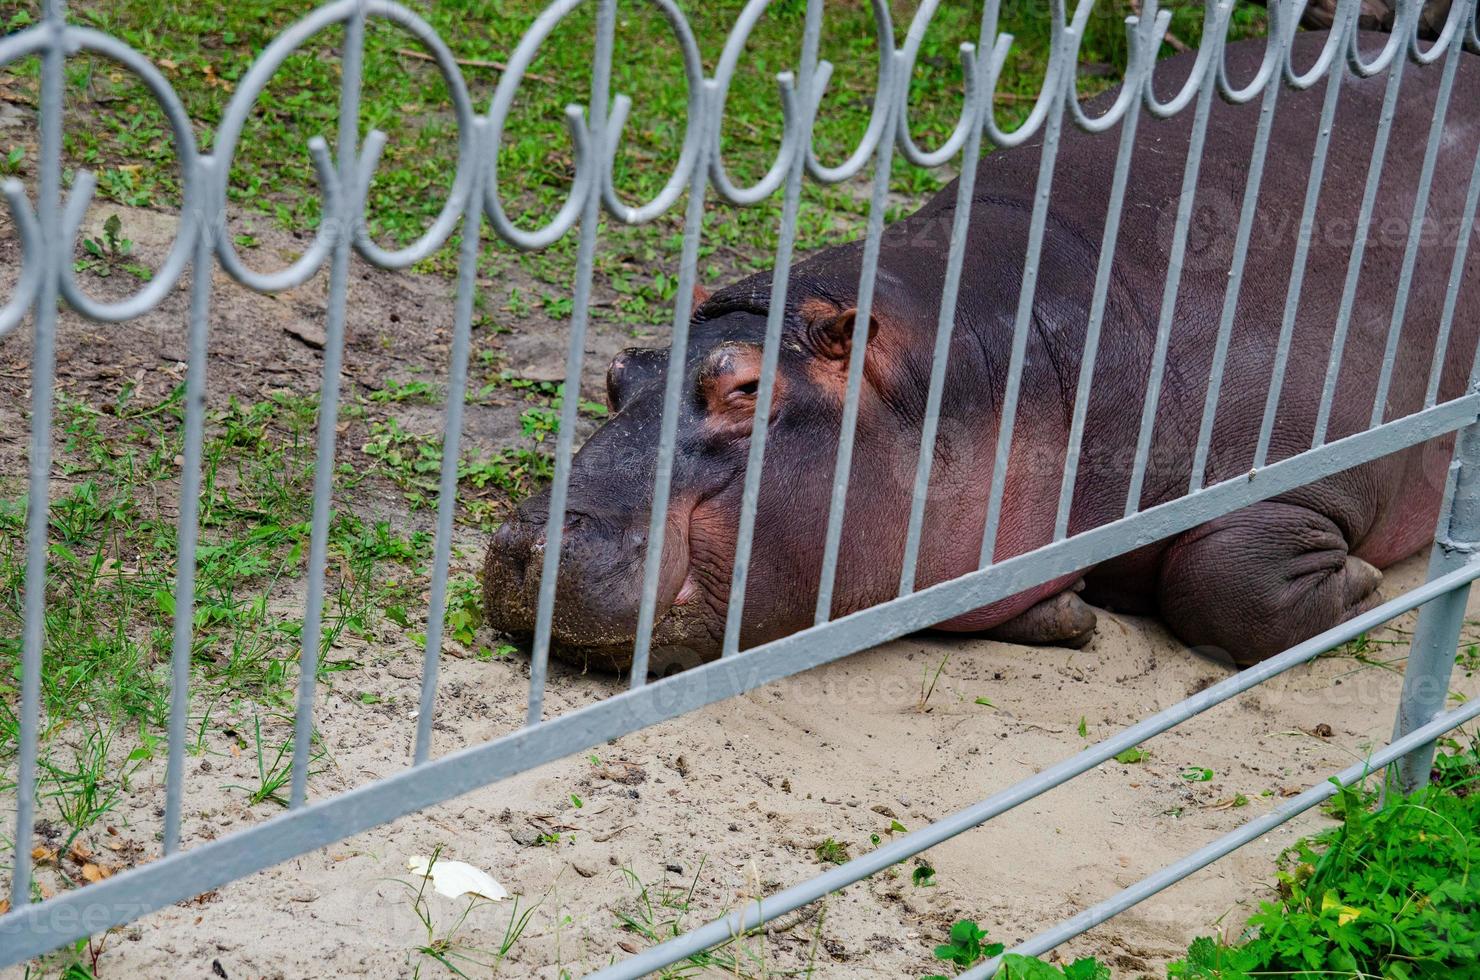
<point x="688" y="819"/>
<point x="732" y="800"/>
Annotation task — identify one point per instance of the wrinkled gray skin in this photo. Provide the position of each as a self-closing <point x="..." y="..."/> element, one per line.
<point x="1248" y="584"/>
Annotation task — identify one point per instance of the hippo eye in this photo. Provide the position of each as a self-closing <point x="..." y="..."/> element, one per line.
<point x="728" y="382"/>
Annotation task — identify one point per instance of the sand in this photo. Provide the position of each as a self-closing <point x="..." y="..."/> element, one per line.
<point x="732" y="800"/>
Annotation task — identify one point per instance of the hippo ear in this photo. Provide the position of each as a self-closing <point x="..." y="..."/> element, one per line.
<point x="830" y="333"/>
<point x="632" y="370"/>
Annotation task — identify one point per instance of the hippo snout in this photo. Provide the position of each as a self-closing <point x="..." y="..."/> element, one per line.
<point x="597" y="590"/>
<point x="511" y="577"/>
<point x="518" y="549"/>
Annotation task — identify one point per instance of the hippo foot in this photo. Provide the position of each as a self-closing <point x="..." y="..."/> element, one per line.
<point x="1258" y="581"/>
<point x="1063" y="620"/>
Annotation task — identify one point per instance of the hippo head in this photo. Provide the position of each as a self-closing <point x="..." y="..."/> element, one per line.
<point x="604" y="546"/>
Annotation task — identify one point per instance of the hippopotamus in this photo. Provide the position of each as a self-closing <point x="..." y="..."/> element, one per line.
<point x="1249" y="584"/>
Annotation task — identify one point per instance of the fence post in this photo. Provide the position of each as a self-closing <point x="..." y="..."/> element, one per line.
<point x="1436" y="639"/>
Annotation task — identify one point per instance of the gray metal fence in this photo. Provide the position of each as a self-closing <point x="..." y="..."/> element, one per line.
<point x="48" y="230"/>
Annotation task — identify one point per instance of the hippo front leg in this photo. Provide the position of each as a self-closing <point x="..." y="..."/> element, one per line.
<point x="1062" y="620"/>
<point x="1260" y="580"/>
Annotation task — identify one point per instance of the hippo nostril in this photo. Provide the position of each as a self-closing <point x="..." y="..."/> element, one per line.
<point x="505" y="536"/>
<point x="518" y="547"/>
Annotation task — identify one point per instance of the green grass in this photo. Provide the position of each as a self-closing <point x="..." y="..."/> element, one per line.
<point x="111" y="583"/>
<point x="112" y="562"/>
<point x="111" y="588"/>
<point x="414" y="461"/>
<point x="1388" y="893"/>
<point x="831" y="851"/>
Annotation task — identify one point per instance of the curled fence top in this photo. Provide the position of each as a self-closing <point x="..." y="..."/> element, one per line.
<point x="344" y="184"/>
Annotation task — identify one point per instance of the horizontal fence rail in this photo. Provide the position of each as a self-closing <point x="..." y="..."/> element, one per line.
<point x="48" y="230"/>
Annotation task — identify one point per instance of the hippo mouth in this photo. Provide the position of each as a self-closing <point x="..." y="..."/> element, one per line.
<point x="681" y="640"/>
<point x="603" y="637"/>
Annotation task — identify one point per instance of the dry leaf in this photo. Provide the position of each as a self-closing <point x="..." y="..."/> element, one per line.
<point x="95" y="872"/>
<point x="43" y="855"/>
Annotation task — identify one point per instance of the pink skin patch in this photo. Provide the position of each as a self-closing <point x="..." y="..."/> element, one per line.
<point x="688" y="592"/>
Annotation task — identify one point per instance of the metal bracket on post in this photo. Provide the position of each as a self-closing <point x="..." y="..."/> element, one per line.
<point x="1436" y="639"/>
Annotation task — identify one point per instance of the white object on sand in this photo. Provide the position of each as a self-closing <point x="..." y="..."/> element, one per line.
<point x="456" y="878"/>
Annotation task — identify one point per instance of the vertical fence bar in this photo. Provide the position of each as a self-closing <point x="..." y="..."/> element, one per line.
<point x="1235" y="282"/>
<point x="1092" y="331"/>
<point x="457" y="386"/>
<point x="673" y="384"/>
<point x="1466" y="228"/>
<point x="775" y="319"/>
<point x="1190" y="173"/>
<point x="945" y="329"/>
<point x="1436" y="638"/>
<point x="1415" y="231"/>
<point x="1022" y="325"/>
<point x="857" y="353"/>
<point x="1302" y="256"/>
<point x="601" y="72"/>
<point x="1433" y="649"/>
<point x="202" y="221"/>
<point x="43" y="374"/>
<point x="1359" y="245"/>
<point x="323" y="475"/>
